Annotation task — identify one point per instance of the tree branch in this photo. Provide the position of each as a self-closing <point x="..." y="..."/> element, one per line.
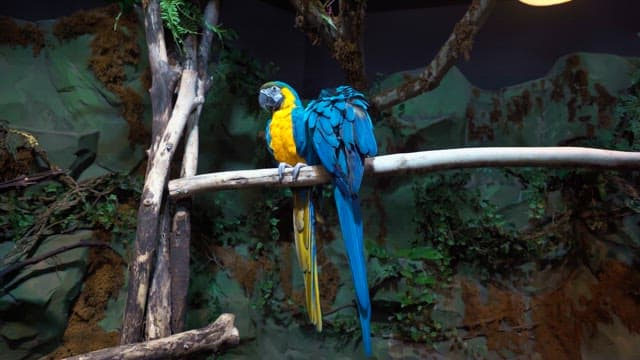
<point x="423" y="161"/>
<point x="210" y="338"/>
<point x="459" y="43"/>
<point x="163" y="76"/>
<point x="24" y="181"/>
<point x="341" y="33"/>
<point x="11" y="268"/>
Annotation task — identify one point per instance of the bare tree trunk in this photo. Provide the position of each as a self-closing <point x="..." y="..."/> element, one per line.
<point x="210" y="338"/>
<point x="145" y="243"/>
<point x="181" y="236"/>
<point x="156" y="179"/>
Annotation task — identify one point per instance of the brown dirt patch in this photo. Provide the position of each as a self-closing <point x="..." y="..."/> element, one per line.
<point x="565" y="322"/>
<point x="519" y="107"/>
<point x="493" y="316"/>
<point x="105" y="277"/>
<point x="111" y="51"/>
<point x="14" y="35"/>
<point x="562" y="319"/>
<point x="244" y="270"/>
<point x="328" y="278"/>
<point x="479" y="133"/>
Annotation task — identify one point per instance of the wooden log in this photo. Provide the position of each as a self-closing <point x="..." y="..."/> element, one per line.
<point x="210" y="338"/>
<point x="159" y="304"/>
<point x="180" y="259"/>
<point x="423" y="161"/>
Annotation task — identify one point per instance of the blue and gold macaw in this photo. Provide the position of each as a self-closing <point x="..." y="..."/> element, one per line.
<point x="334" y="130"/>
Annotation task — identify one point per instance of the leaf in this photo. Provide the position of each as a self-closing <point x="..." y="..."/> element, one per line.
<point x="424" y="279"/>
<point x="328" y="20"/>
<point x="421" y="253"/>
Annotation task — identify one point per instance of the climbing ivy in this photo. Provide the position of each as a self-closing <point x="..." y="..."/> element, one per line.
<point x="415" y="276"/>
<point x="463" y="226"/>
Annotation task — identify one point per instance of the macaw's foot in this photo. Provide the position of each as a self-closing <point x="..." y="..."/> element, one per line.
<point x="281" y="167"/>
<point x="296" y="171"/>
<point x="294" y="174"/>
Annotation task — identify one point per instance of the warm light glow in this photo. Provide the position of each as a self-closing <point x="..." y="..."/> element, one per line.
<point x="543" y="2"/>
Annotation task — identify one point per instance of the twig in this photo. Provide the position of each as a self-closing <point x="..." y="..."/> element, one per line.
<point x="24" y="181"/>
<point x="341" y="33"/>
<point x="339" y="308"/>
<point x="9" y="269"/>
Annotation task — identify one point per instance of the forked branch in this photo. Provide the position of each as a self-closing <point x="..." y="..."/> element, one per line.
<point x="459" y="43"/>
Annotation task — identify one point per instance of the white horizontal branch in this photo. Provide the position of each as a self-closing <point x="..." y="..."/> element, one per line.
<point x="422" y="161"/>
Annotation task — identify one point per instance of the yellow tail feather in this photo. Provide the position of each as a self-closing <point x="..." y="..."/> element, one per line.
<point x="305" y="249"/>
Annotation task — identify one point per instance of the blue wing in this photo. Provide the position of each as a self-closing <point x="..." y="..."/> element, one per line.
<point x="342" y="135"/>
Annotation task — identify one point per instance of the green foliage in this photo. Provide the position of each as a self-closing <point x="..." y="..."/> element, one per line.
<point x="204" y="292"/>
<point x="222" y="33"/>
<point x="628" y="111"/>
<point x="181" y="18"/>
<point x="413" y="276"/>
<point x="224" y="228"/>
<point x="344" y="327"/>
<point x="125" y="7"/>
<point x="258" y="229"/>
<point x="107" y="203"/>
<point x="629" y="105"/>
<point x="462" y="225"/>
<point x="265" y="297"/>
<point x="535" y="183"/>
<point x="239" y="74"/>
<point x="264" y="221"/>
<point x="625" y="136"/>
<point x="17" y="218"/>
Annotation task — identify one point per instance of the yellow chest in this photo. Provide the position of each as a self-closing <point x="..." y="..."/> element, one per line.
<point x="282" y="142"/>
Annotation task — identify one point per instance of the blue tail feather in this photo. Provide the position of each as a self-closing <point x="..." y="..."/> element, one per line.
<point x="348" y="206"/>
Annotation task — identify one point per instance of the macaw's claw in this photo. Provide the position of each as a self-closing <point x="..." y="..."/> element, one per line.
<point x="281" y="167"/>
<point x="296" y="171"/>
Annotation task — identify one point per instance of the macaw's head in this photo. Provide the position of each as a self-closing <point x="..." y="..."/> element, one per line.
<point x="275" y="95"/>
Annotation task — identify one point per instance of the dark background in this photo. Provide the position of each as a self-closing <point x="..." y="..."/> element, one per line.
<point x="518" y="42"/>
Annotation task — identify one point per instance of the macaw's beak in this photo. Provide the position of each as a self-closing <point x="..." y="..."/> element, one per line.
<point x="270" y="98"/>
